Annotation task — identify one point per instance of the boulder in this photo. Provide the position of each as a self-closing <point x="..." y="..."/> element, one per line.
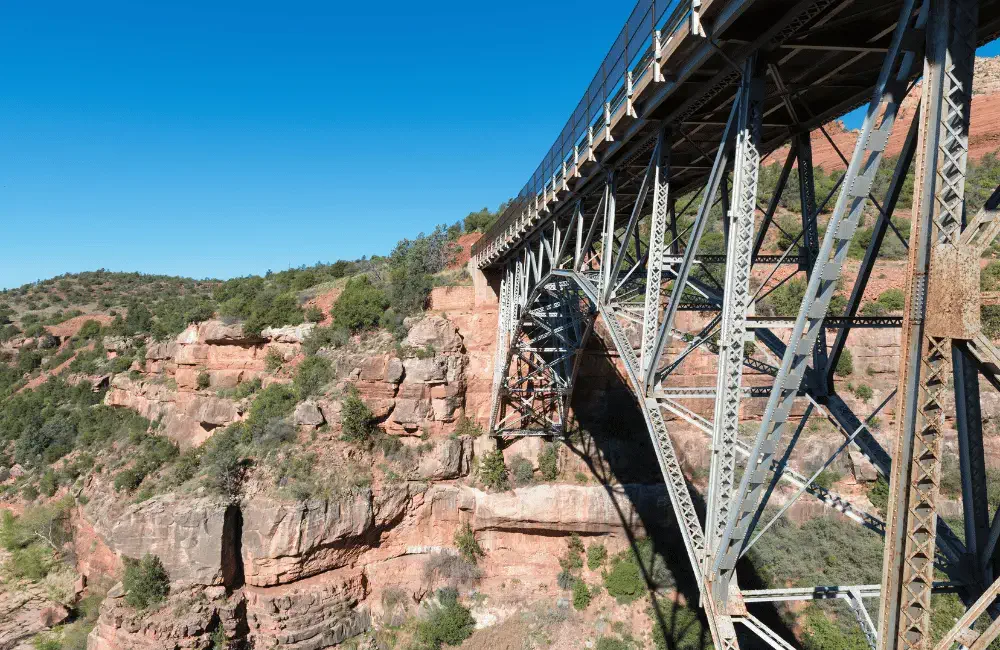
<point x="216" y="332"/>
<point x="53" y="615"/>
<point x="410" y="413"/>
<point x="450" y="458"/>
<point x="289" y="333"/>
<point x="161" y="351"/>
<point x="425" y="371"/>
<point x="394" y="371"/>
<point x="286" y="541"/>
<point x="308" y="413"/>
<point x="437" y="332"/>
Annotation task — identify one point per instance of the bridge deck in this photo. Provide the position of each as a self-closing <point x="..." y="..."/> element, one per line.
<point x="829" y="53"/>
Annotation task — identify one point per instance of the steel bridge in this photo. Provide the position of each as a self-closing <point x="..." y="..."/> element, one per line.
<point x="691" y="97"/>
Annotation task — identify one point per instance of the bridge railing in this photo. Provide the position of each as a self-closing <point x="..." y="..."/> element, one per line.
<point x="630" y="55"/>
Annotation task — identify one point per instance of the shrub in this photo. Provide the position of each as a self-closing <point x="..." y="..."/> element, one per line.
<point x="468" y="547"/>
<point x="312" y="374"/>
<point x="357" y="420"/>
<point x="273" y="360"/>
<point x="596" y="554"/>
<point x="685" y="627"/>
<point x="493" y="471"/>
<point x="334" y="336"/>
<point x="447" y="623"/>
<point x="863" y="392"/>
<point x="360" y="306"/>
<point x="273" y="403"/>
<point x="203" y="380"/>
<point x="222" y="461"/>
<point x="451" y="569"/>
<point x="49" y="483"/>
<point x="522" y="470"/>
<point x="624" y="581"/>
<point x="128" y="480"/>
<point x="146" y="582"/>
<point x="892" y="299"/>
<point x="566" y="579"/>
<point x="845" y="364"/>
<point x="581" y="595"/>
<point x="314" y="314"/>
<point x="990" y="316"/>
<point x="826" y="479"/>
<point x="89" y="330"/>
<point x="611" y="643"/>
<point x="878" y="494"/>
<point x="548" y="462"/>
<point x="468" y="427"/>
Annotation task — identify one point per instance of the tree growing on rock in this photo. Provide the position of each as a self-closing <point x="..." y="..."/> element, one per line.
<point x="493" y="471"/>
<point x="356" y="419"/>
<point x="146" y="582"/>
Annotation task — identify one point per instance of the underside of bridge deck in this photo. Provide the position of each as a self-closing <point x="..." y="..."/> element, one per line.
<point x="606" y="239"/>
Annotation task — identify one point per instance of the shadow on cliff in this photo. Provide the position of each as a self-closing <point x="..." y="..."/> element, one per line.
<point x="609" y="434"/>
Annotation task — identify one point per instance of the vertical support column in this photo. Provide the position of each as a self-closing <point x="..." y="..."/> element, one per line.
<point x="735" y="302"/>
<point x="500" y="357"/>
<point x="654" y="258"/>
<point x="972" y="461"/>
<point x="936" y="272"/>
<point x="608" y="242"/>
<point x="810" y="250"/>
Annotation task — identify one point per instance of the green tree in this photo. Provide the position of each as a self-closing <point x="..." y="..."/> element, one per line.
<point x="447" y="623"/>
<point x="356" y="419"/>
<point x="493" y="471"/>
<point x="581" y="595"/>
<point x="146" y="582"/>
<point x="313" y="373"/>
<point x="360" y="306"/>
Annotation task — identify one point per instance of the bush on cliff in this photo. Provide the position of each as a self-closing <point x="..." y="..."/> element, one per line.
<point x="332" y="337"/>
<point x="493" y="471"/>
<point x="360" y="306"/>
<point x="258" y="303"/>
<point x="146" y="582"/>
<point x="35" y="538"/>
<point x="468" y="546"/>
<point x="356" y="419"/>
<point x="312" y="374"/>
<point x="447" y="622"/>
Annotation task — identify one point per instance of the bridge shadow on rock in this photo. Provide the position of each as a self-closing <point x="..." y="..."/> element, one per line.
<point x="609" y="435"/>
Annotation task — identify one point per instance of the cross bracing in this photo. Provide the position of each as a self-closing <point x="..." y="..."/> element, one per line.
<point x="609" y="239"/>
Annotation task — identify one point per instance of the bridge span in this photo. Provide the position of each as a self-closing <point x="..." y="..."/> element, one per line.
<point x="666" y="145"/>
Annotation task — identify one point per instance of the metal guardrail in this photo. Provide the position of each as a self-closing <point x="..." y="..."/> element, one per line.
<point x="625" y="64"/>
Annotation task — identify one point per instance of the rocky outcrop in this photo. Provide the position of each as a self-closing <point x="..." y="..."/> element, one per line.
<point x="186" y="621"/>
<point x="287" y="541"/>
<point x="308" y="616"/>
<point x="26" y="610"/>
<point x="187" y="418"/>
<point x="185" y="533"/>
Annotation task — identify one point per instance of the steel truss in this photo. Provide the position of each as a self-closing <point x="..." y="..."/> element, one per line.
<point x="619" y="255"/>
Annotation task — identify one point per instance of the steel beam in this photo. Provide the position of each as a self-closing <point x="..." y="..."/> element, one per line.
<point x="887" y="96"/>
<point x="735" y="302"/>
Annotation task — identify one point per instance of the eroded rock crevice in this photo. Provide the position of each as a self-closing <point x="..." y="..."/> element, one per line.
<point x="232" y="549"/>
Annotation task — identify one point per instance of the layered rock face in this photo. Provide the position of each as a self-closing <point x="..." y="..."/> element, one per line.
<point x="311" y="574"/>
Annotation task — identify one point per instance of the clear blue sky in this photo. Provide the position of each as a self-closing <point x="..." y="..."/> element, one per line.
<point x="215" y="139"/>
<point x="209" y="138"/>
